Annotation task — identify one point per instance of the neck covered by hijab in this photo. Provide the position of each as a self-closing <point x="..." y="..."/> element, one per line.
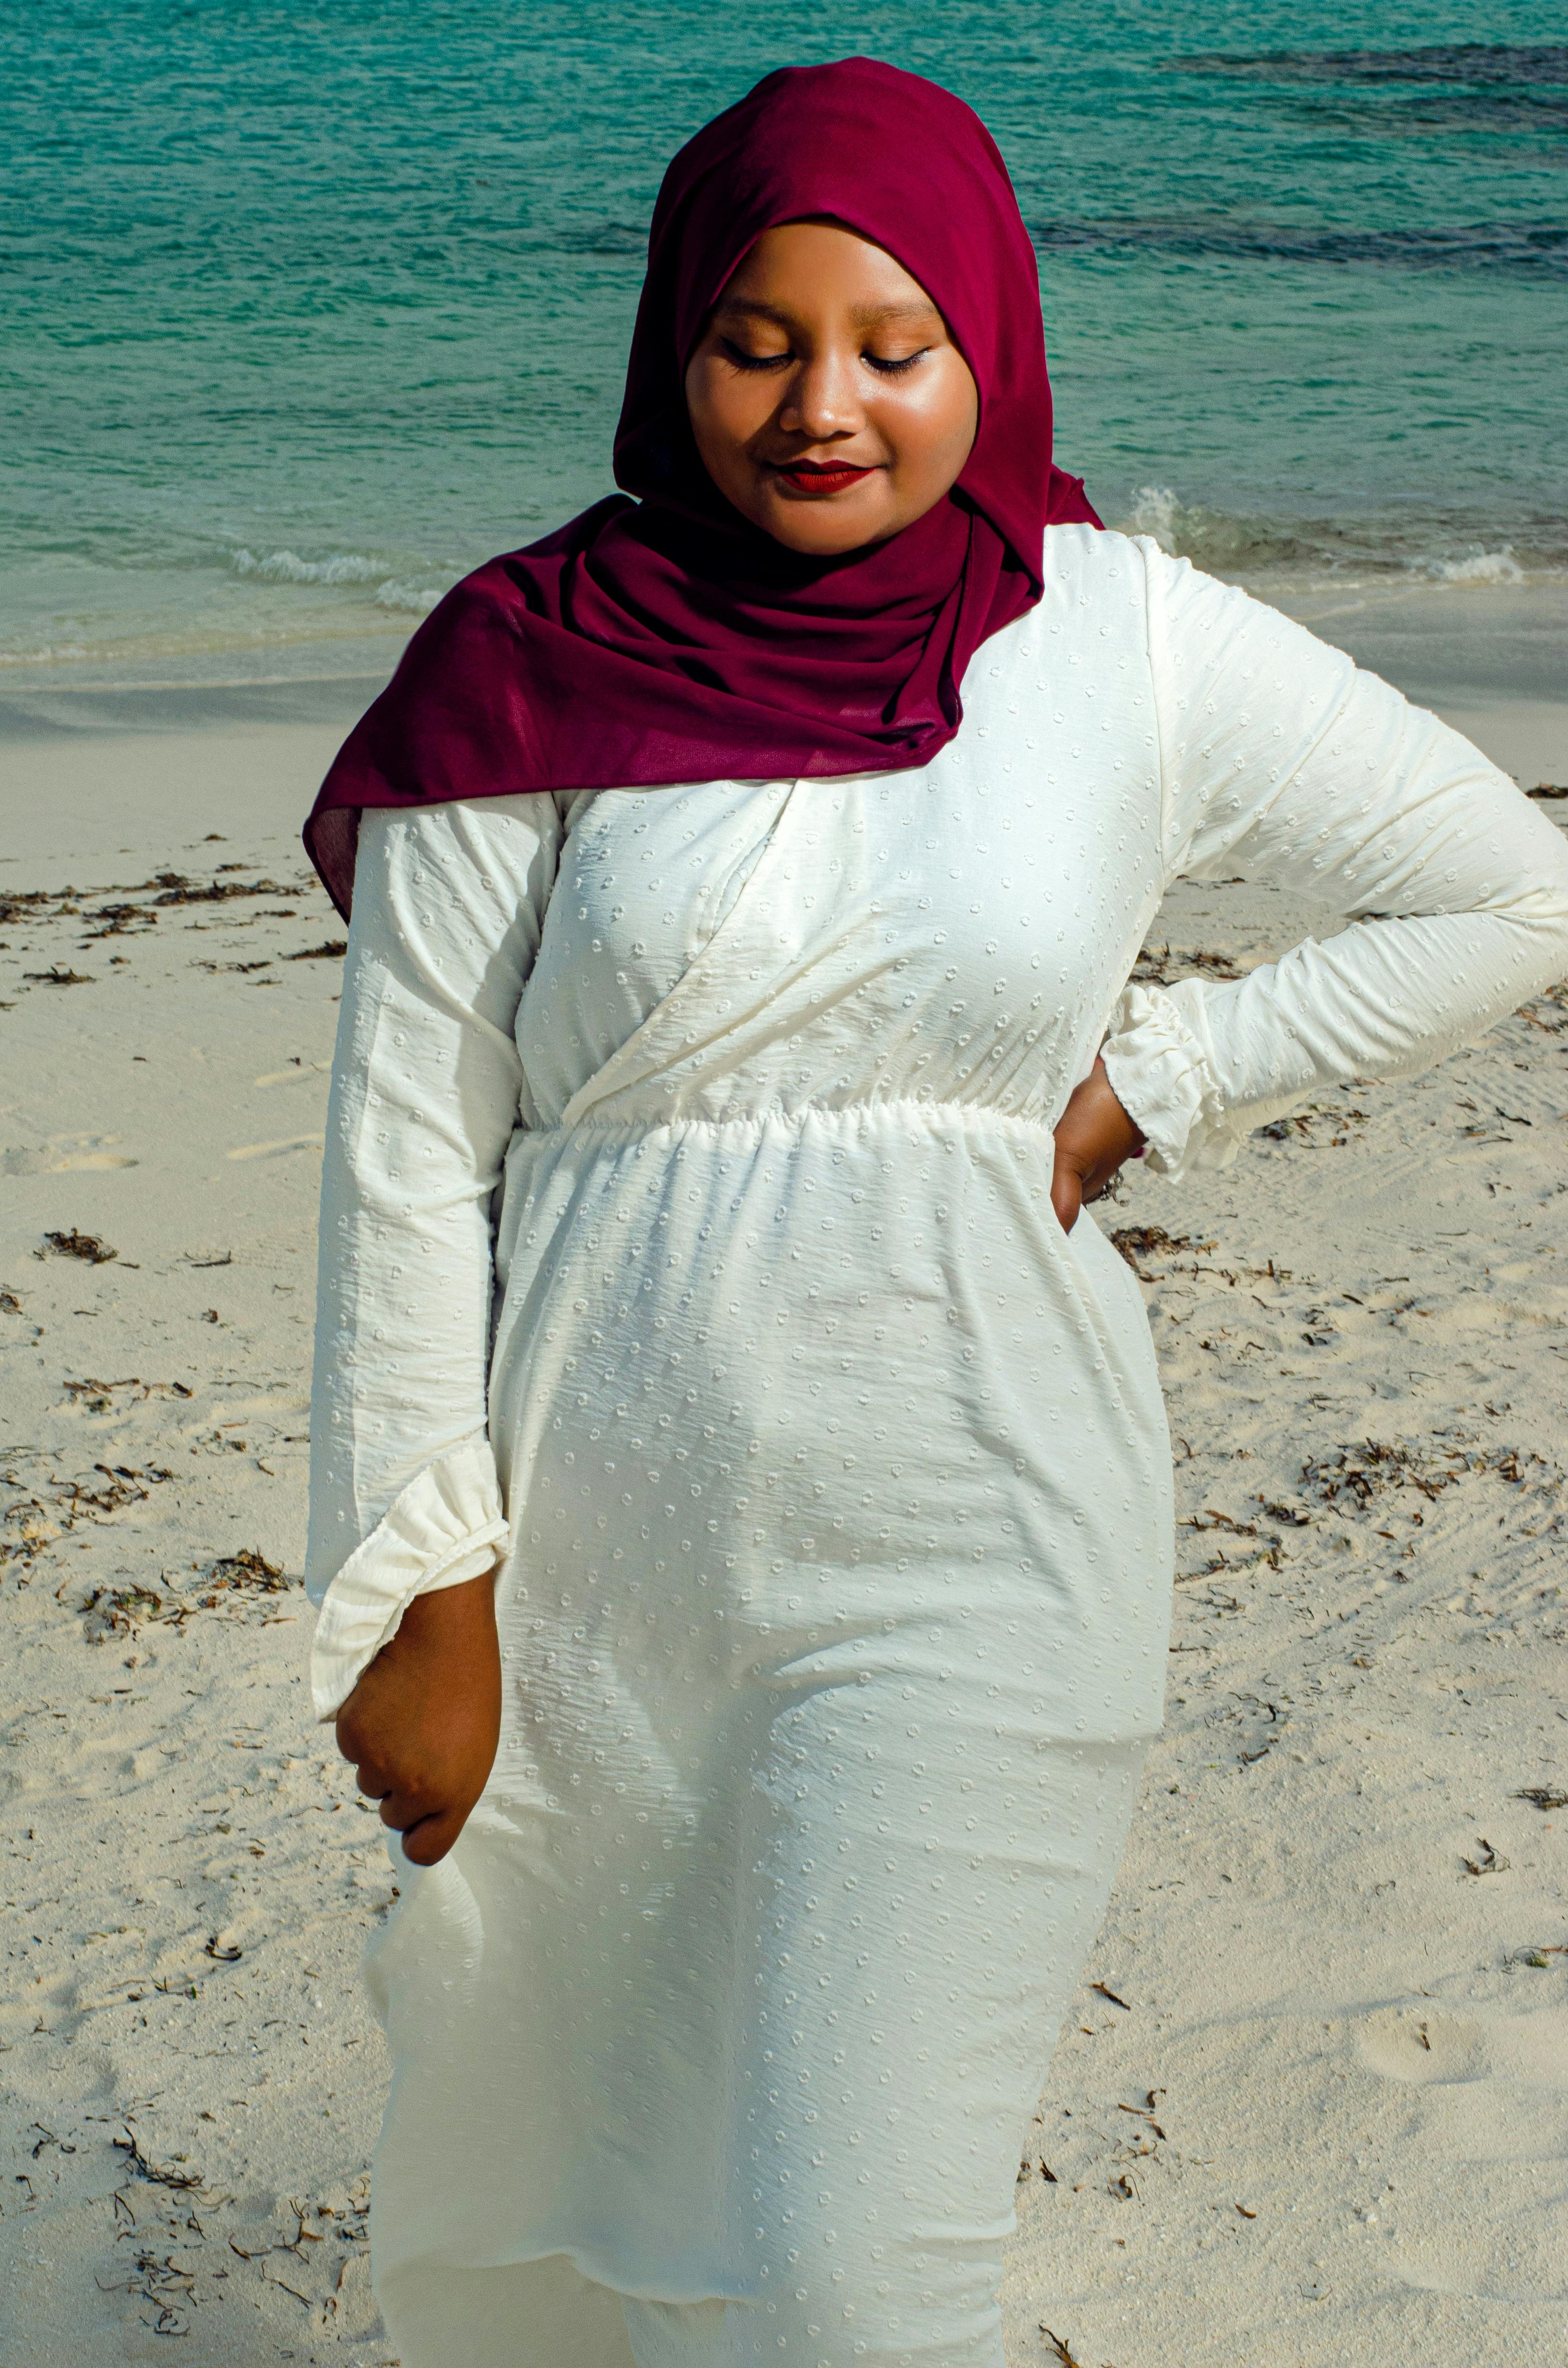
<point x="664" y="639"/>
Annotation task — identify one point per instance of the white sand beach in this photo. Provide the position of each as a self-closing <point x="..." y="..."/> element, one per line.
<point x="1311" y="2108"/>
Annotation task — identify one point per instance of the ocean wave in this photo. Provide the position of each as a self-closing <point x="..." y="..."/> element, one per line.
<point x="288" y="567"/>
<point x="1382" y="549"/>
<point x="417" y="600"/>
<point x="341" y="567"/>
<point x="47" y="655"/>
<point x="1480" y="567"/>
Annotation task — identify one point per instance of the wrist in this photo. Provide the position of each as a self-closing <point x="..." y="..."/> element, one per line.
<point x="466" y="1609"/>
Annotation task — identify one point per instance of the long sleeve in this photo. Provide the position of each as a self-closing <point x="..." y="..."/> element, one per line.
<point x="449" y="905"/>
<point x="1281" y="762"/>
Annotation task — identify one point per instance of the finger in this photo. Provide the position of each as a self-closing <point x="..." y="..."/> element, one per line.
<point x="345" y="1731"/>
<point x="1066" y="1197"/>
<point x="369" y="1776"/>
<point x="429" y="1838"/>
<point x="403" y="1810"/>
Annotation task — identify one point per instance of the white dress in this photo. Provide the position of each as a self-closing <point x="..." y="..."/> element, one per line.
<point x="687" y="1244"/>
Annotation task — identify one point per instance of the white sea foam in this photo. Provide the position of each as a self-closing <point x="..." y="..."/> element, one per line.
<point x="419" y="598"/>
<point x="341" y="567"/>
<point x="46" y="655"/>
<point x="288" y="567"/>
<point x="1153" y="512"/>
<point x="1481" y="567"/>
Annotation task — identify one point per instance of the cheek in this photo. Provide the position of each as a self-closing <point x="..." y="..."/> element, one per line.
<point x="933" y="432"/>
<point x="726" y="409"/>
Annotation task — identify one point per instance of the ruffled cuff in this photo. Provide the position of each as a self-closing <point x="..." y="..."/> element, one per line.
<point x="1160" y="1074"/>
<point x="446" y="1527"/>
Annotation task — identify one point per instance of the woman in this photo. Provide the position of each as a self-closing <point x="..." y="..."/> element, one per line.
<point x="751" y="1610"/>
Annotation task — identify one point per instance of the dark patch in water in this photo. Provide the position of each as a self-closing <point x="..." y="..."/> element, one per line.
<point x="603" y="238"/>
<point x="1451" y="87"/>
<point x="1539" y="248"/>
<point x="1461" y="62"/>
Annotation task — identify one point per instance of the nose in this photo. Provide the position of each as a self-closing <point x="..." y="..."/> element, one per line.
<point x="823" y="401"/>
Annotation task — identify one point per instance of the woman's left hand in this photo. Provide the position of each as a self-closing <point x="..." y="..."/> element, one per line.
<point x="1093" y="1139"/>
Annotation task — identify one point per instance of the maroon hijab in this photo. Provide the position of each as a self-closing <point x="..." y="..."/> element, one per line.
<point x="668" y="638"/>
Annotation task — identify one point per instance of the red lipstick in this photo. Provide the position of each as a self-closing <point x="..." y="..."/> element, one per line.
<point x="818" y="477"/>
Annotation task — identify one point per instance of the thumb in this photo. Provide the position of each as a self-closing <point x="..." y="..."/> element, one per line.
<point x="1066" y="1194"/>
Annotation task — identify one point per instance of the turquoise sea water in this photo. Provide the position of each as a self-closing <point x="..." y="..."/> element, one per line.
<point x="305" y="310"/>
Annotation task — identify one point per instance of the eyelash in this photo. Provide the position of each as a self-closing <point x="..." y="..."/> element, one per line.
<point x="884" y="368"/>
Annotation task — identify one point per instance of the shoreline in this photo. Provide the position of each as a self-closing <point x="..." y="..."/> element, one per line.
<point x="1490" y="659"/>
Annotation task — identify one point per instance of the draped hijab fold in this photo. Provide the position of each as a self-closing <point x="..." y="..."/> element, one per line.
<point x="659" y="637"/>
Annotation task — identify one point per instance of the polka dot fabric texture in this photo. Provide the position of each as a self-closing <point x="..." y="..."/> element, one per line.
<point x="690" y="1155"/>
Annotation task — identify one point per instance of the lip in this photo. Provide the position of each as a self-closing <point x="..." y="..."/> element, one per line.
<point x="817" y="479"/>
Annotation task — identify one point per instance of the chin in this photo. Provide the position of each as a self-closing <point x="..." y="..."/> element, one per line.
<point x="822" y="535"/>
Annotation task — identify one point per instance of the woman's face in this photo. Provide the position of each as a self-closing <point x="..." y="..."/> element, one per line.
<point x="828" y="402"/>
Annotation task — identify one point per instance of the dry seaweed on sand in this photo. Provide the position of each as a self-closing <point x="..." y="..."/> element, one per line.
<point x="161" y="2174"/>
<point x="1136" y="1242"/>
<point x="1544" y="1796"/>
<point x="78" y="1246"/>
<point x="1059" y="2350"/>
<point x="246" y="1572"/>
<point x="1486" y="1862"/>
<point x="333" y="950"/>
<point x="1154" y="969"/>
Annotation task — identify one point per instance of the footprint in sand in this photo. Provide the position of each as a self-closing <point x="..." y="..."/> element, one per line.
<point x="1432" y="2049"/>
<point x="66" y="1153"/>
<point x="277" y="1150"/>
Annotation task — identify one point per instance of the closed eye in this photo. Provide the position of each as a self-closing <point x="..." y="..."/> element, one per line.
<point x="742" y="361"/>
<point x="885" y="365"/>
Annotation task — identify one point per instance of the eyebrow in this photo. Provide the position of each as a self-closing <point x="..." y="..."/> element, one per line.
<point x="865" y="316"/>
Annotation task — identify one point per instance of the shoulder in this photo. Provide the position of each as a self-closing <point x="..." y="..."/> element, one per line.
<point x="1093" y="603"/>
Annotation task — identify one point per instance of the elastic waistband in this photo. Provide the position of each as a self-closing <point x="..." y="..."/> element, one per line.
<point x="914" y="1118"/>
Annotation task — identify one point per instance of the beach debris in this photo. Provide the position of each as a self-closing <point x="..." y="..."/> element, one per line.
<point x="1487" y="1861"/>
<point x="1544" y="1796"/>
<point x="36" y="1521"/>
<point x="1209" y="1519"/>
<point x="1246" y="2212"/>
<point x="246" y="1571"/>
<point x="1374" y="1467"/>
<point x="1553" y="999"/>
<point x="121" y="1610"/>
<point x="223" y="1953"/>
<point x="78" y="1246"/>
<point x="97" y="1397"/>
<point x="1542" y="1953"/>
<point x="1106" y="1993"/>
<point x="1059" y="2350"/>
<point x="56" y="976"/>
<point x="9" y="1304"/>
<point x="161" y="2174"/>
<point x="1548" y="790"/>
<point x="176" y="889"/>
<point x="1297" y="1128"/>
<point x="1154" y="969"/>
<point x="226" y="1258"/>
<point x="332" y="949"/>
<point x="166" y="2285"/>
<point x="1136" y="1242"/>
<point x="1145" y="2111"/>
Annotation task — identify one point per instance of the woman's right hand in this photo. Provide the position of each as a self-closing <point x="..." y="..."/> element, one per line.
<point x="423" y="1722"/>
